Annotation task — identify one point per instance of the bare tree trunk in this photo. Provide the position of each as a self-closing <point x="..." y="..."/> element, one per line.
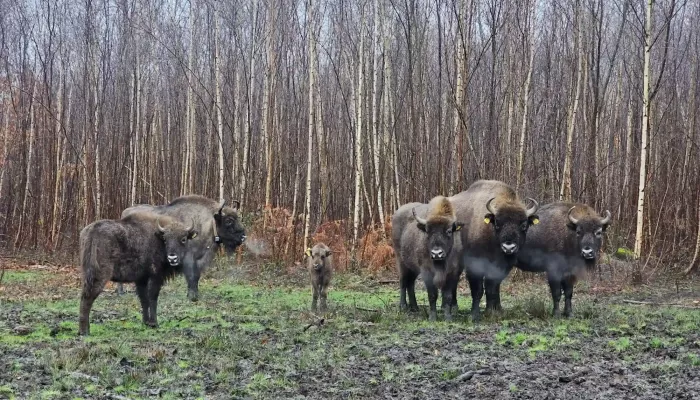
<point x="565" y="192"/>
<point x="639" y="235"/>
<point x="322" y="157"/>
<point x="95" y="133"/>
<point x="460" y="53"/>
<point x="30" y="166"/>
<point x="236" y="129"/>
<point x="218" y="102"/>
<point x="526" y="96"/>
<point x="358" y="136"/>
<point x="696" y="257"/>
<point x="249" y="112"/>
<point x="5" y="144"/>
<point x="375" y="117"/>
<point x="628" y="159"/>
<point x="311" y="32"/>
<point x="187" y="181"/>
<point x="135" y="129"/>
<point x="268" y="101"/>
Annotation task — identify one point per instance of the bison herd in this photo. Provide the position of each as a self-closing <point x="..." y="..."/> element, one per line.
<point x="483" y="231"/>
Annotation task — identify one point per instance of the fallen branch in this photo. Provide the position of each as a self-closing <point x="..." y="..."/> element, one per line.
<point x="318" y="323"/>
<point x="388" y="281"/>
<point x="651" y="303"/>
<point x="366" y="309"/>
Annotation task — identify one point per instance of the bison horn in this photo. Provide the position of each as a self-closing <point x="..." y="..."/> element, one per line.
<point x="488" y="205"/>
<point x="532" y="210"/>
<point x="160" y="227"/>
<point x="191" y="227"/>
<point x="223" y="203"/>
<point x="571" y="218"/>
<point x="419" y="219"/>
<point x="236" y="204"/>
<point x="606" y="219"/>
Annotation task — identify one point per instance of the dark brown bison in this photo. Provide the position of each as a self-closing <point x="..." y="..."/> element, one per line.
<point x="426" y="242"/>
<point x="566" y="243"/>
<point x="217" y="224"/>
<point x="320" y="266"/>
<point x="144" y="248"/>
<point x="496" y="223"/>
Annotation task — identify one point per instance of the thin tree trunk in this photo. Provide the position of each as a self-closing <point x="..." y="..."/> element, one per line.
<point x="565" y="191"/>
<point x="187" y="181"/>
<point x="311" y="32"/>
<point x="268" y="101"/>
<point x="30" y="167"/>
<point x="526" y="97"/>
<point x="358" y="136"/>
<point x="639" y="235"/>
<point x="696" y="257"/>
<point x="375" y="117"/>
<point x="456" y="158"/>
<point x="249" y="112"/>
<point x="218" y="101"/>
<point x="5" y="144"/>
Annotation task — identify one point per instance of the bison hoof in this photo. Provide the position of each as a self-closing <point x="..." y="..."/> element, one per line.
<point x="448" y="317"/>
<point x="192" y="295"/>
<point x="151" y="324"/>
<point x="432" y="316"/>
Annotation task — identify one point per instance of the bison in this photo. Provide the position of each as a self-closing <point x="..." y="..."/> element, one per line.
<point x="217" y="224"/>
<point x="564" y="244"/>
<point x="144" y="248"/>
<point x="320" y="266"/>
<point x="496" y="224"/>
<point x="426" y="242"/>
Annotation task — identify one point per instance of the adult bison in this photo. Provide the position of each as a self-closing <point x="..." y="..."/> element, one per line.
<point x="427" y="242"/>
<point x="144" y="248"/>
<point x="566" y="243"/>
<point x="216" y="223"/>
<point x="496" y="223"/>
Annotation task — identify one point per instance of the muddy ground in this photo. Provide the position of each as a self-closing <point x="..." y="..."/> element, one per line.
<point x="252" y="335"/>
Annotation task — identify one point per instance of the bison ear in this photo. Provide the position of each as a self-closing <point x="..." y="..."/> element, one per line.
<point x="192" y="235"/>
<point x="457" y="226"/>
<point x="308" y="252"/>
<point x="159" y="234"/>
<point x="421" y="226"/>
<point x="329" y="253"/>
<point x="533" y="219"/>
<point x="489" y="218"/>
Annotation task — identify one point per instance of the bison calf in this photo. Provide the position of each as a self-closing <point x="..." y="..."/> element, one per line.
<point x="429" y="246"/>
<point x="565" y="243"/>
<point x="143" y="248"/>
<point x="320" y="266"/>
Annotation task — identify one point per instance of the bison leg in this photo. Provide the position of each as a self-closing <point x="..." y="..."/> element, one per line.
<point x="142" y="292"/>
<point x="324" y="297"/>
<point x="447" y="302"/>
<point x="432" y="296"/>
<point x="87" y="298"/>
<point x="120" y="289"/>
<point x="568" y="286"/>
<point x="491" y="289"/>
<point x="408" y="284"/>
<point x="154" y="286"/>
<point x="314" y="302"/>
<point x="476" y="286"/>
<point x="555" y="289"/>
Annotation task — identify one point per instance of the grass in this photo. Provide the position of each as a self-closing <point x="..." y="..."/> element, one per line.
<point x="257" y="340"/>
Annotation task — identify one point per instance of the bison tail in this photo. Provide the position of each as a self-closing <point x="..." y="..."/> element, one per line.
<point x="88" y="258"/>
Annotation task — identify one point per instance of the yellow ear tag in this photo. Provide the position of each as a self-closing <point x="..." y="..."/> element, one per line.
<point x="487" y="220"/>
<point x="535" y="221"/>
<point x="458" y="227"/>
<point x="308" y="252"/>
<point x="194" y="235"/>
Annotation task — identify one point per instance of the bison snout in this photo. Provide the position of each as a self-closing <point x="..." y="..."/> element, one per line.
<point x="438" y="254"/>
<point x="588" y="253"/>
<point x="509" y="247"/>
<point x="317" y="266"/>
<point x="173" y="260"/>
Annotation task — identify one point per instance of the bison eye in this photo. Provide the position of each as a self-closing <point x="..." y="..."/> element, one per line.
<point x="599" y="233"/>
<point x="228" y="222"/>
<point x="524" y="226"/>
<point x="449" y="231"/>
<point x="183" y="240"/>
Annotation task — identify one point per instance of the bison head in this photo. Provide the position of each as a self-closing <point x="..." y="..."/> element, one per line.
<point x="318" y="257"/>
<point x="510" y="223"/>
<point x="175" y="236"/>
<point x="228" y="226"/>
<point x="589" y="232"/>
<point x="440" y="227"/>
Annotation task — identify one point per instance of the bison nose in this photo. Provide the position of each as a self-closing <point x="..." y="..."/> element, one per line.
<point x="437" y="254"/>
<point x="173" y="259"/>
<point x="243" y="238"/>
<point x="509" y="247"/>
<point x="317" y="266"/>
<point x="587" y="252"/>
